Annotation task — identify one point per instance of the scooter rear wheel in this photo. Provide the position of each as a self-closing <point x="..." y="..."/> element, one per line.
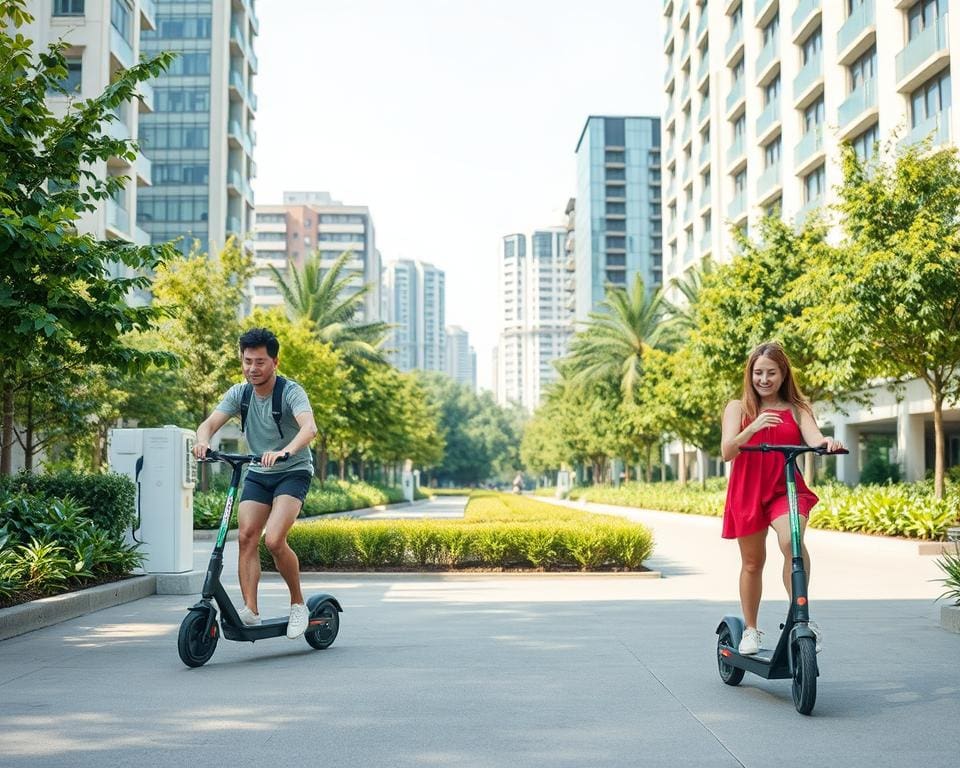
<point x="729" y="674"/>
<point x="195" y="644"/>
<point x="324" y="625"/>
<point x="805" y="675"/>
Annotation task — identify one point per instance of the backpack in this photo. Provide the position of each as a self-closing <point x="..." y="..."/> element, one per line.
<point x="276" y="408"/>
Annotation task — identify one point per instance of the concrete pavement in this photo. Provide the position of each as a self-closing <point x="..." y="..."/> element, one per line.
<point x="506" y="670"/>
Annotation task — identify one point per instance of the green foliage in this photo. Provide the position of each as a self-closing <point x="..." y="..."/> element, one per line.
<point x="878" y="471"/>
<point x="949" y="563"/>
<point x="499" y="531"/>
<point x="106" y="500"/>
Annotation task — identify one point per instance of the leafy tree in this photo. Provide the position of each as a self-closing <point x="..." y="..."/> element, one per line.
<point x="902" y="299"/>
<point x="328" y="299"/>
<point x="59" y="306"/>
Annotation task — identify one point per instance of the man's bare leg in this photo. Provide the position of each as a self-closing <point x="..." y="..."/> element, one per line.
<point x="252" y="517"/>
<point x="282" y="517"/>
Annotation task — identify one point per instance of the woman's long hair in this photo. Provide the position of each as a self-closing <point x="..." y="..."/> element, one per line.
<point x="789" y="391"/>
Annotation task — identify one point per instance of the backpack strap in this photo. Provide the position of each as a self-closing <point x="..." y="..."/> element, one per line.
<point x="276" y="408"/>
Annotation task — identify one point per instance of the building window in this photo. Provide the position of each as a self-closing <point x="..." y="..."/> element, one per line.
<point x="924" y="15"/>
<point x="121" y="18"/>
<point x="865" y="144"/>
<point x="930" y="99"/>
<point x="813" y="115"/>
<point x="615" y="156"/>
<point x="735" y="18"/>
<point x="772" y="29"/>
<point x="68" y="7"/>
<point x="613" y="132"/>
<point x="863" y="69"/>
<point x="739" y="128"/>
<point x="736" y="71"/>
<point x="771" y="153"/>
<point x="812" y="46"/>
<point x="740" y="182"/>
<point x="814" y="184"/>
<point x="772" y="91"/>
<point x="74" y="79"/>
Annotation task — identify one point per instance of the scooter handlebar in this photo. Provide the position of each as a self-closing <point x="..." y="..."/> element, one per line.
<point x="237" y="458"/>
<point x="794" y="449"/>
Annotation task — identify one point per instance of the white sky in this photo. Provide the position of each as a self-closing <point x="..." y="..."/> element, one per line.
<point x="455" y="121"/>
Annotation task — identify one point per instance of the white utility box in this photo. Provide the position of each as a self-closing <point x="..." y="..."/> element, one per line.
<point x="160" y="461"/>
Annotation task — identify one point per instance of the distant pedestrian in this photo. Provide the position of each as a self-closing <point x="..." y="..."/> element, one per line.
<point x="771" y="410"/>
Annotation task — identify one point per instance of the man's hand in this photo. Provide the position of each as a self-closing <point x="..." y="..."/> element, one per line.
<point x="270" y="457"/>
<point x="200" y="450"/>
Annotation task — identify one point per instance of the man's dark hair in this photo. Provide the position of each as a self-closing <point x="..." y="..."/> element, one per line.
<point x="260" y="337"/>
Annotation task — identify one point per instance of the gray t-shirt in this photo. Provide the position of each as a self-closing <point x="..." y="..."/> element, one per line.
<point x="261" y="430"/>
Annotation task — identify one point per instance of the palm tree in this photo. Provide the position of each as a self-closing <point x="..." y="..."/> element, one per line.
<point x="614" y="340"/>
<point x="684" y="312"/>
<point x="329" y="300"/>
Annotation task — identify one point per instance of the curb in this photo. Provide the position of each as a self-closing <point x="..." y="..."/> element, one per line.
<point x="950" y="617"/>
<point x="937" y="547"/>
<point x="48" y="611"/>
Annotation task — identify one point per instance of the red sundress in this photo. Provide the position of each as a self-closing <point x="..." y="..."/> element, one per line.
<point x="757" y="490"/>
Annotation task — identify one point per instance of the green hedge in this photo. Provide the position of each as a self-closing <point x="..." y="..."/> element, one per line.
<point x="498" y="531"/>
<point x="107" y="500"/>
<point x="322" y="498"/>
<point x="908" y="510"/>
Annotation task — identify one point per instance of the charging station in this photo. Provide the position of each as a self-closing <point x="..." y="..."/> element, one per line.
<point x="160" y="461"/>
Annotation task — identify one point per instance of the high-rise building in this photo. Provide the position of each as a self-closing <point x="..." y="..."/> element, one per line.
<point x="617" y="207"/>
<point x="760" y="94"/>
<point x="534" y="322"/>
<point x="570" y="261"/>
<point x="461" y="357"/>
<point x="416" y="307"/>
<point x="200" y="138"/>
<point x="103" y="37"/>
<point x="313" y="222"/>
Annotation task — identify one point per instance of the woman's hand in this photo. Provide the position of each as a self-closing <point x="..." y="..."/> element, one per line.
<point x="764" y="420"/>
<point x="831" y="445"/>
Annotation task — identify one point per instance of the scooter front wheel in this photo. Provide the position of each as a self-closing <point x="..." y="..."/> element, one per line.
<point x="730" y="674"/>
<point x="195" y="644"/>
<point x="324" y="624"/>
<point x="804" y="675"/>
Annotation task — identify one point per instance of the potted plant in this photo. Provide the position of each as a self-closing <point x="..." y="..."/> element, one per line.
<point x="949" y="563"/>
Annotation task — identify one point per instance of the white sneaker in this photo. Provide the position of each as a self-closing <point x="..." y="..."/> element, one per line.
<point x="299" y="618"/>
<point x="750" y="642"/>
<point x="248" y="617"/>
<point x="817" y="633"/>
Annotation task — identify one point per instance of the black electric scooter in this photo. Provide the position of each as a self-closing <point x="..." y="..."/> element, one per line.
<point x="199" y="631"/>
<point x="795" y="655"/>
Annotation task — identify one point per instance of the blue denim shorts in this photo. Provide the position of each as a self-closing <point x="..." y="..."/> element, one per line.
<point x="264" y="488"/>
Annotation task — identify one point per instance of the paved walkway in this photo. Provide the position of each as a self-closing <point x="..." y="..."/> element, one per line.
<point x="506" y="670"/>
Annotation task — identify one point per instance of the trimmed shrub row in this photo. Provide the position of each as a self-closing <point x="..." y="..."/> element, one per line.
<point x="908" y="510"/>
<point x="498" y="531"/>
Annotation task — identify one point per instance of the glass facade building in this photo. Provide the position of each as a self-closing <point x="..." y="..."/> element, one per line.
<point x="617" y="212"/>
<point x="200" y="137"/>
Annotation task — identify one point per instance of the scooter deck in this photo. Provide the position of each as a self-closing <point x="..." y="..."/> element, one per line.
<point x="263" y="630"/>
<point x="760" y="663"/>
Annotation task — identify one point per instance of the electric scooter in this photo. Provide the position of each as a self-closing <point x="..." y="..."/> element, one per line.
<point x="795" y="656"/>
<point x="199" y="631"/>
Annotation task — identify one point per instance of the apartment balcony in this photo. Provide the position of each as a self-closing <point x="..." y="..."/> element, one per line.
<point x="768" y="61"/>
<point x="704" y="157"/>
<point x="233" y="225"/>
<point x="684" y="11"/>
<point x="668" y="37"/>
<point x="685" y="93"/>
<point x="770" y="183"/>
<point x="237" y="44"/>
<point x="235" y="134"/>
<point x="924" y="56"/>
<point x="141" y="237"/>
<point x="734" y="44"/>
<point x="737" y="154"/>
<point x="805" y="17"/>
<point x="763" y="11"/>
<point x="702" y="26"/>
<point x="688" y="255"/>
<point x="118" y="219"/>
<point x="804" y="212"/>
<point x="252" y="16"/>
<point x="669" y="115"/>
<point x="737" y="210"/>
<point x="667" y="7"/>
<point x="808" y="84"/>
<point x="668" y="77"/>
<point x="147" y="98"/>
<point x="736" y="96"/>
<point x="704" y="112"/>
<point x="684" y="51"/>
<point x="234" y="182"/>
<point x="706" y="198"/>
<point x="148" y="15"/>
<point x="254" y="61"/>
<point x="120" y="48"/>
<point x="809" y="151"/>
<point x="687" y="134"/>
<point x="116" y="128"/>
<point x="769" y="121"/>
<point x="236" y="84"/>
<point x="858" y="110"/>
<point x="858" y="32"/>
<point x="143" y="170"/>
<point x="936" y="128"/>
<point x="252" y="100"/>
<point x="703" y="70"/>
<point x="247" y="191"/>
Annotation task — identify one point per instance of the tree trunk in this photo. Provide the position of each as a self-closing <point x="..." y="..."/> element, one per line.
<point x="361" y="473"/>
<point x="6" y="439"/>
<point x="28" y="437"/>
<point x="683" y="464"/>
<point x="649" y="469"/>
<point x="938" y="441"/>
<point x="323" y="458"/>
